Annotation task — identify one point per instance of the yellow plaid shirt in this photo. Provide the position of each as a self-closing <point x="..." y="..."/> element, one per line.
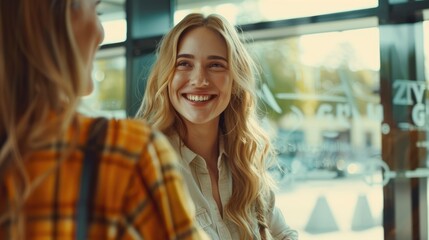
<point x="138" y="194"/>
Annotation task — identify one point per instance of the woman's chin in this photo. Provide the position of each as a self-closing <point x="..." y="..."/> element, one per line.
<point x="89" y="88"/>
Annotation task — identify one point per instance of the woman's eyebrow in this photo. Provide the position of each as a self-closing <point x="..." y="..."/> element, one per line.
<point x="185" y="55"/>
<point x="215" y="57"/>
<point x="211" y="57"/>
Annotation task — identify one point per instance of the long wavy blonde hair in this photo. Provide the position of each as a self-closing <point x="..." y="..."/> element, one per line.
<point x="246" y="142"/>
<point x="41" y="77"/>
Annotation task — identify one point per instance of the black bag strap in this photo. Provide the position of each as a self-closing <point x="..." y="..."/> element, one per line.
<point x="96" y="137"/>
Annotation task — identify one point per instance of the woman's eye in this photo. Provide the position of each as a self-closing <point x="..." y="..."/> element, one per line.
<point x="217" y="65"/>
<point x="183" y="64"/>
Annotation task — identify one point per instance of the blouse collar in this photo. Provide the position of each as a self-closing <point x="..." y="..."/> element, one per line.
<point x="188" y="155"/>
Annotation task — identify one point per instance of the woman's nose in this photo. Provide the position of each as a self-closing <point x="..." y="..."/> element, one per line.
<point x="199" y="78"/>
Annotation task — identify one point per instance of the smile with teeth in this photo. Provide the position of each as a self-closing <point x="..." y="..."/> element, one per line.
<point x="197" y="98"/>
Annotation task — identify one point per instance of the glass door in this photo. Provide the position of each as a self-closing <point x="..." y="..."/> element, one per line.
<point x="404" y="129"/>
<point x="320" y="93"/>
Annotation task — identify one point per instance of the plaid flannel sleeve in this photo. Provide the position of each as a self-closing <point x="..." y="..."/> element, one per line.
<point x="159" y="206"/>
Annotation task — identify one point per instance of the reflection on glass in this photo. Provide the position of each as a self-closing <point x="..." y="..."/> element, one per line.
<point x="251" y="11"/>
<point x="112" y="17"/>
<point x="320" y="95"/>
<point x="426" y="50"/>
<point x="114" y="31"/>
<point x="108" y="97"/>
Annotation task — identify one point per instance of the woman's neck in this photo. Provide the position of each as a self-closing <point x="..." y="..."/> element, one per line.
<point x="204" y="140"/>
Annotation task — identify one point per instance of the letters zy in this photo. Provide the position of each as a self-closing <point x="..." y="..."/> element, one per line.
<point x="405" y="90"/>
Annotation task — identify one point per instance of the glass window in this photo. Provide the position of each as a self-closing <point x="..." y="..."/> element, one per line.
<point x="241" y="12"/>
<point x="320" y="93"/>
<point x="397" y="1"/>
<point x="114" y="31"/>
<point x="426" y="49"/>
<point x="112" y="16"/>
<point x="108" y="97"/>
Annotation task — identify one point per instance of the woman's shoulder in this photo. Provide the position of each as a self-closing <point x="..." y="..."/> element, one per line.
<point x="129" y="135"/>
<point x="132" y="141"/>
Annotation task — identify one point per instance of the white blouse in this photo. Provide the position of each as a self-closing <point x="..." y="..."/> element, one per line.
<point x="197" y="179"/>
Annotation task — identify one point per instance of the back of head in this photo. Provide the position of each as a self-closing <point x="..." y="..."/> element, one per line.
<point x="40" y="73"/>
<point x="40" y="77"/>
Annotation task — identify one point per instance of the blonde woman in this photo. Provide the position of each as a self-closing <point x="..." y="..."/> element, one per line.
<point x="64" y="175"/>
<point x="201" y="94"/>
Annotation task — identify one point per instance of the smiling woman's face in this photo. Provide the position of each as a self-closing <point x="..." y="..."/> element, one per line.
<point x="201" y="87"/>
<point x="88" y="33"/>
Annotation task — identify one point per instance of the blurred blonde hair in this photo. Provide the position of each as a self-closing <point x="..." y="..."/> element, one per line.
<point x="247" y="144"/>
<point x="41" y="78"/>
